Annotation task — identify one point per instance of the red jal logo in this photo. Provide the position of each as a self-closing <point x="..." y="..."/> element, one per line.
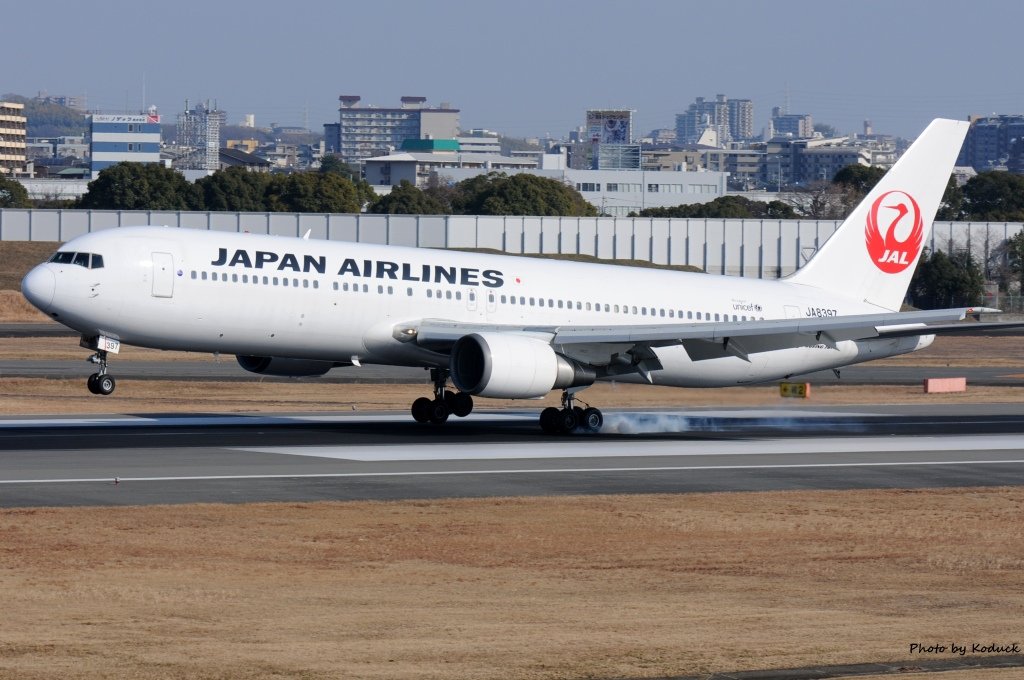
<point x="890" y="254"/>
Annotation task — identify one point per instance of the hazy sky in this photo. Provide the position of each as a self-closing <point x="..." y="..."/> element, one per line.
<point x="527" y="67"/>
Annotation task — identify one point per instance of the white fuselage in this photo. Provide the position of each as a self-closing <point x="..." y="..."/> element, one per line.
<point x="258" y="295"/>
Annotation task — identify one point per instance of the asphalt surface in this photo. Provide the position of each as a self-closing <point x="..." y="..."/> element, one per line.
<point x="180" y="459"/>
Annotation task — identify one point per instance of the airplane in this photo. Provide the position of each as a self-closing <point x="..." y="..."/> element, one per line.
<point x="504" y="326"/>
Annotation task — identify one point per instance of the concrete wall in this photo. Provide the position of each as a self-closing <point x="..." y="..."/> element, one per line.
<point x="753" y="248"/>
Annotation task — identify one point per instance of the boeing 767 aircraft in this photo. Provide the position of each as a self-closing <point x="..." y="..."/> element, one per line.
<point x="502" y="326"/>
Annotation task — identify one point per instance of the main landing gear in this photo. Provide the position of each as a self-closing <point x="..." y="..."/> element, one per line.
<point x="445" y="402"/>
<point x="101" y="382"/>
<point x="570" y="418"/>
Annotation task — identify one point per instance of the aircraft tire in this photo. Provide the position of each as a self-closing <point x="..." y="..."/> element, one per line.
<point x="549" y="420"/>
<point x="105" y="385"/>
<point x="567" y="420"/>
<point x="593" y="419"/>
<point x="439" y="412"/>
<point x="421" y="410"/>
<point x="461" y="404"/>
<point x="91" y="383"/>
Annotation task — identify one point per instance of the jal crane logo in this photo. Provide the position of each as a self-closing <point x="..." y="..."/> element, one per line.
<point x="891" y="213"/>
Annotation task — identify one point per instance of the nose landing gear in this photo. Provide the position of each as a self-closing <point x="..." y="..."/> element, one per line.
<point x="101" y="382"/>
<point x="444" y="404"/>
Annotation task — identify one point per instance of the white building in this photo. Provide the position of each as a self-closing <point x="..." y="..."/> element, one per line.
<point x="117" y="138"/>
<point x="621" y="192"/>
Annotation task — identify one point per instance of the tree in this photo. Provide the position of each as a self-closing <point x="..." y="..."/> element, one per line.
<point x="523" y="194"/>
<point x="141" y="186"/>
<point x="942" y="281"/>
<point x="860" y="178"/>
<point x="312" y="192"/>
<point x="13" y="194"/>
<point x="824" y="201"/>
<point x="333" y="163"/>
<point x="234" y="189"/>
<point x="996" y="196"/>
<point x="406" y="199"/>
<point x="731" y="207"/>
<point x="952" y="206"/>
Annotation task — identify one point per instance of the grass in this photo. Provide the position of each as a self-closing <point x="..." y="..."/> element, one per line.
<point x="624" y="586"/>
<point x="17" y="257"/>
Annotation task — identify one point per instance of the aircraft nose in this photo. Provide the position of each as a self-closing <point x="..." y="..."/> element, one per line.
<point x="38" y="287"/>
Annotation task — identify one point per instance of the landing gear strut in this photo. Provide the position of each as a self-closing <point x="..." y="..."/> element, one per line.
<point x="445" y="402"/>
<point x="570" y="417"/>
<point x="101" y="382"/>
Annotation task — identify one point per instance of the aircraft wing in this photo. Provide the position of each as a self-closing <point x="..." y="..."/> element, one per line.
<point x="710" y="339"/>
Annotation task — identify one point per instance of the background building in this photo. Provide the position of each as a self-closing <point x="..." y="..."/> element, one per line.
<point x="117" y="138"/>
<point x="199" y="137"/>
<point x="730" y="120"/>
<point x="13" y="140"/>
<point x="798" y="125"/>
<point x="741" y="119"/>
<point x="366" y="132"/>
<point x="992" y="143"/>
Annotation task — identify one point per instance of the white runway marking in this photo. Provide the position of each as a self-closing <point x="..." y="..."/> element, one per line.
<point x="446" y="473"/>
<point x="581" y="448"/>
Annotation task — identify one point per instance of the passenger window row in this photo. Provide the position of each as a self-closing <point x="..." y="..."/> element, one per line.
<point x="521" y="301"/>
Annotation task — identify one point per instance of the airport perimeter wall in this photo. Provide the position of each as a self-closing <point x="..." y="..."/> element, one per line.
<point x="752" y="248"/>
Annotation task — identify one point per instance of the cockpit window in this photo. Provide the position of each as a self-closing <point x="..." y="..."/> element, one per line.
<point x="80" y="259"/>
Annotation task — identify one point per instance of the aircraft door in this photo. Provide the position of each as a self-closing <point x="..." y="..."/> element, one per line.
<point x="471" y="301"/>
<point x="163" y="275"/>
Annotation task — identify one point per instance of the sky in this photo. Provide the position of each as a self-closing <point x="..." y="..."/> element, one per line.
<point x="529" y="67"/>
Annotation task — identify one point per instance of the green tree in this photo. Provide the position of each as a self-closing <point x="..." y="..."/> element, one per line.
<point x="996" y="196"/>
<point x="234" y="189"/>
<point x="333" y="163"/>
<point x="141" y="186"/>
<point x="406" y="199"/>
<point x="13" y="194"/>
<point x="522" y="194"/>
<point x="942" y="281"/>
<point x="860" y="178"/>
<point x="729" y="207"/>
<point x="952" y="206"/>
<point x="312" y="192"/>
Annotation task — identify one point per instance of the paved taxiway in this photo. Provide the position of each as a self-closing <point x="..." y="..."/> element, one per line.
<point x="232" y="458"/>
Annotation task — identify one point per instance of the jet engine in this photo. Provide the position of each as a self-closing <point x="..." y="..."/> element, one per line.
<point x="278" y="366"/>
<point x="511" y="366"/>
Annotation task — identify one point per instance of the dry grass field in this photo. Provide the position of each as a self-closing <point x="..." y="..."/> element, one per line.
<point x="586" y="587"/>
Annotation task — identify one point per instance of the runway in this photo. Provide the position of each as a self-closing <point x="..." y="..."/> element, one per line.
<point x="123" y="460"/>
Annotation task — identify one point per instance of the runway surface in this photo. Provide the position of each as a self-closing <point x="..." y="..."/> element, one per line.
<point x="144" y="459"/>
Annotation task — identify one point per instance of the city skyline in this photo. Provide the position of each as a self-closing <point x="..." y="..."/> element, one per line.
<point x="529" y="72"/>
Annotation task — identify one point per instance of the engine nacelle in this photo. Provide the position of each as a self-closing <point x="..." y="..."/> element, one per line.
<point x="278" y="366"/>
<point x="511" y="366"/>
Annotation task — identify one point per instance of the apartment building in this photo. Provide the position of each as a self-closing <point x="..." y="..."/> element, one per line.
<point x="13" y="139"/>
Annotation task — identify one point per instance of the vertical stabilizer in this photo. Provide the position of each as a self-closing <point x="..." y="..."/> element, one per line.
<point x="873" y="254"/>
